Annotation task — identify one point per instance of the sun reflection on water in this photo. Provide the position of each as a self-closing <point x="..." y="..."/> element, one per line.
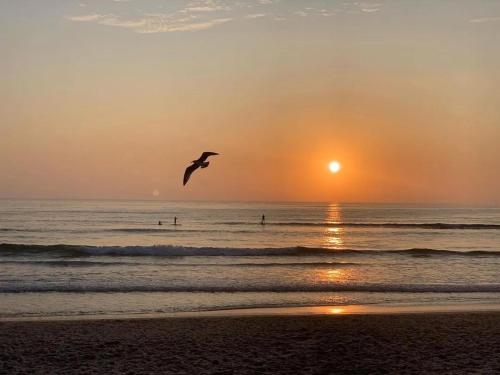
<point x="333" y="236"/>
<point x="336" y="275"/>
<point x="333" y="214"/>
<point x="336" y="310"/>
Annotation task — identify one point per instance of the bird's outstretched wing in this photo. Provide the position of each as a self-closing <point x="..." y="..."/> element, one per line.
<point x="206" y="154"/>
<point x="188" y="172"/>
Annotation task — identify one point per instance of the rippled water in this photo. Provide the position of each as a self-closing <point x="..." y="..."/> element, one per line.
<point x="102" y="257"/>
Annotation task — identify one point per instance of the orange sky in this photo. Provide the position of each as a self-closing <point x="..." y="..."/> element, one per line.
<point x="112" y="100"/>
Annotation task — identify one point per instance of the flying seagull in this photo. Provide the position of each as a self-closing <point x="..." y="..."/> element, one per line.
<point x="200" y="163"/>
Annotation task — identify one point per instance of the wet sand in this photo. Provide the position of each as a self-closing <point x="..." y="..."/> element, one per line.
<point x="342" y="344"/>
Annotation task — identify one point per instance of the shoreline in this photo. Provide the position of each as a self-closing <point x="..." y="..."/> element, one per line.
<point x="325" y="310"/>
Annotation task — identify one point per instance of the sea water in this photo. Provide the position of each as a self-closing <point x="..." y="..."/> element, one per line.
<point x="63" y="258"/>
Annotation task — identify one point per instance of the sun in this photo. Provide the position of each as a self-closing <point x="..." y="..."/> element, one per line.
<point x="334" y="166"/>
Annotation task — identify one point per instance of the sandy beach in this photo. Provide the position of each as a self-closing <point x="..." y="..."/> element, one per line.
<point x="344" y="344"/>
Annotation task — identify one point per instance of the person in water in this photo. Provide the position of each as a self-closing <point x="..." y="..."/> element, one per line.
<point x="175" y="220"/>
<point x="263" y="220"/>
<point x="160" y="223"/>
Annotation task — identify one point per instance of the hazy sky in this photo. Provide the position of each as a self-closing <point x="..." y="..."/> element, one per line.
<point x="112" y="99"/>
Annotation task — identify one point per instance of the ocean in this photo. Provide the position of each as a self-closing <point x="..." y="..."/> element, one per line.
<point x="74" y="258"/>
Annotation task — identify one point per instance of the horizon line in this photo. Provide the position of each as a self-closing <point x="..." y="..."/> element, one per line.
<point x="413" y="203"/>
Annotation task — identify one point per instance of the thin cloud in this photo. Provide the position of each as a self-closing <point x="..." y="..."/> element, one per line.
<point x="484" y="19"/>
<point x="151" y="23"/>
<point x="200" y="9"/>
<point x="86" y="17"/>
<point x="300" y="13"/>
<point x="197" y="15"/>
<point x="369" y="7"/>
<point x="343" y="8"/>
<point x="256" y="15"/>
<point x="195" y="26"/>
<point x="194" y="16"/>
<point x="128" y="24"/>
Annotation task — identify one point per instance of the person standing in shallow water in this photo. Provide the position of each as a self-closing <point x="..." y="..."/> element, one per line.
<point x="263" y="220"/>
<point x="175" y="220"/>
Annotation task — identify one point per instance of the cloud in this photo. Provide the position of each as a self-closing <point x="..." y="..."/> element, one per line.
<point x="370" y="10"/>
<point x="194" y="26"/>
<point x="326" y="13"/>
<point x="368" y="7"/>
<point x="346" y="7"/>
<point x="300" y="13"/>
<point x="200" y="9"/>
<point x="86" y="17"/>
<point x="255" y="15"/>
<point x="484" y="19"/>
<point x="194" y="15"/>
<point x="151" y="23"/>
<point x="129" y="24"/>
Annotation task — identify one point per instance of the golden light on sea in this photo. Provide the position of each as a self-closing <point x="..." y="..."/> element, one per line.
<point x="336" y="310"/>
<point x="337" y="275"/>
<point x="333" y="237"/>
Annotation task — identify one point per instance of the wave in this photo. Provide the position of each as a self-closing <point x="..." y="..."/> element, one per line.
<point x="368" y="288"/>
<point x="455" y="226"/>
<point x="182" y="251"/>
<point x="294" y="264"/>
<point x="68" y="263"/>
<point x="166" y="230"/>
<point x="86" y="263"/>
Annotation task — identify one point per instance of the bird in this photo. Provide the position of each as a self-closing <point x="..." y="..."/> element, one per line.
<point x="200" y="163"/>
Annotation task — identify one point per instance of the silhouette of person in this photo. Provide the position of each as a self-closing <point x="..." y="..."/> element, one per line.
<point x="263" y="220"/>
<point x="160" y="223"/>
<point x="175" y="220"/>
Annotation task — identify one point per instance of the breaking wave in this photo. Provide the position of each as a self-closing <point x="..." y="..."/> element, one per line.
<point x="375" y="288"/>
<point x="87" y="263"/>
<point x="183" y="251"/>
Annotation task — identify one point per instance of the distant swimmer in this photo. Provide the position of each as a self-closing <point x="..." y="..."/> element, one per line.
<point x="160" y="223"/>
<point x="263" y="220"/>
<point x="200" y="163"/>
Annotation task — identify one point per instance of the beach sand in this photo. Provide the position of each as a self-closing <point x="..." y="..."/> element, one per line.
<point x="343" y="344"/>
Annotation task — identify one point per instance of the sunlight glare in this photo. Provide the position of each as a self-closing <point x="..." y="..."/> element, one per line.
<point x="334" y="166"/>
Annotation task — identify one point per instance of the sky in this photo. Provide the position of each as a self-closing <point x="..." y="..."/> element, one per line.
<point x="111" y="99"/>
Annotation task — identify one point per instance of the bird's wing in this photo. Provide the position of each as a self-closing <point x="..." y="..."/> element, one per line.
<point x="188" y="172"/>
<point x="206" y="154"/>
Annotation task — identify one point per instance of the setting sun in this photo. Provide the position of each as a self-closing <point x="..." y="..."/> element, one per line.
<point x="334" y="166"/>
